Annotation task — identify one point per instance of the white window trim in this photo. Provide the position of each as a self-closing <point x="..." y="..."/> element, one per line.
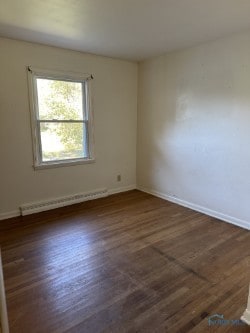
<point x="33" y="73"/>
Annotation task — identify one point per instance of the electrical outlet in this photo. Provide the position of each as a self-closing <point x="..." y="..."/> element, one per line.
<point x="119" y="178"/>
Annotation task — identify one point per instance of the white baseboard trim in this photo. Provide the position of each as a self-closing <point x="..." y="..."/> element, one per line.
<point x="4" y="325"/>
<point x="37" y="207"/>
<point x="204" y="210"/>
<point x="121" y="189"/>
<point x="8" y="215"/>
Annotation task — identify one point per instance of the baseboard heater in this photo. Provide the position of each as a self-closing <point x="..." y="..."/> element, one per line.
<point x="41" y="206"/>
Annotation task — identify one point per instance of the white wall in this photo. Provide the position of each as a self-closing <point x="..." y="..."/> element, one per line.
<point x="194" y="127"/>
<point x="115" y="117"/>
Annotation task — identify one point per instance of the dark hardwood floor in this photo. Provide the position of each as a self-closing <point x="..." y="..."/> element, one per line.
<point x="126" y="263"/>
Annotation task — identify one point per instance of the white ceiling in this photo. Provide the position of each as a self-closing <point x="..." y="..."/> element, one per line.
<point x="129" y="29"/>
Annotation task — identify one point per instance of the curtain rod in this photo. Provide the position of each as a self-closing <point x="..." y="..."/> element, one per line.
<point x="91" y="77"/>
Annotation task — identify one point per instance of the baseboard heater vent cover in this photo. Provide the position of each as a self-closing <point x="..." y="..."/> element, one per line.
<point x="41" y="206"/>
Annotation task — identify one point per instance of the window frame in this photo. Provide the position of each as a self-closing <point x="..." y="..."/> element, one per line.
<point x="33" y="74"/>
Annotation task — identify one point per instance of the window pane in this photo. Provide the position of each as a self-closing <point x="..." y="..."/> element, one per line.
<point x="61" y="100"/>
<point x="63" y="141"/>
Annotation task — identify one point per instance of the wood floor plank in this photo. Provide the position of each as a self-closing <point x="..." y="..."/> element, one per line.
<point x="126" y="263"/>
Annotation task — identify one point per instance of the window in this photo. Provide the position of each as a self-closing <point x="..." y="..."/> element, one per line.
<point x="61" y="118"/>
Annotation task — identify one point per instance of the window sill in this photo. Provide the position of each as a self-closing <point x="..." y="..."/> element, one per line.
<point x="58" y="164"/>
